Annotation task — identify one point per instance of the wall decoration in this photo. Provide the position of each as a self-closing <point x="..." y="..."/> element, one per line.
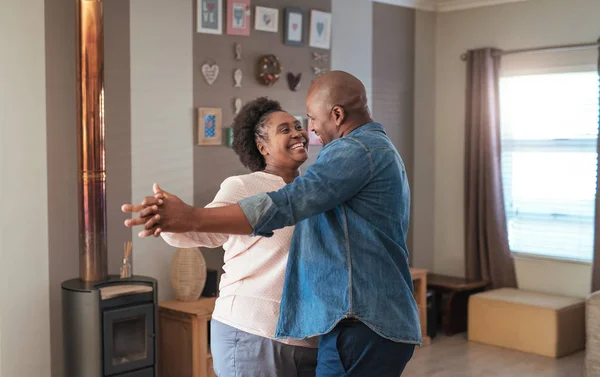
<point x="237" y="106"/>
<point x="319" y="71"/>
<point x="320" y="57"/>
<point x="238" y="17"/>
<point x="209" y="123"/>
<point x="320" y="29"/>
<point x="210" y="71"/>
<point x="229" y="133"/>
<point x="237" y="48"/>
<point x="237" y="78"/>
<point x="209" y="16"/>
<point x="268" y="70"/>
<point x="294" y="81"/>
<point x="266" y="19"/>
<point x="293" y="26"/>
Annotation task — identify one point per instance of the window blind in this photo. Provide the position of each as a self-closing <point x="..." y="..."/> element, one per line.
<point x="549" y="129"/>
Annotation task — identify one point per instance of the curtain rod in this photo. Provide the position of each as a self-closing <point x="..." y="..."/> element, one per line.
<point x="577" y="46"/>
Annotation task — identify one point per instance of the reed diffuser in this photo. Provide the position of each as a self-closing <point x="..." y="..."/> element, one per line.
<point x="126" y="269"/>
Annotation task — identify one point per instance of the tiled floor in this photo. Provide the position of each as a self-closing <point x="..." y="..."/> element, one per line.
<point x="456" y="357"/>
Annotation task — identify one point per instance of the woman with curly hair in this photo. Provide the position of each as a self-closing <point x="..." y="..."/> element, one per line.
<point x="272" y="144"/>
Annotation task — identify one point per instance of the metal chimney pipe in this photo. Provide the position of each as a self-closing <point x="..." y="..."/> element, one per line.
<point x="90" y="141"/>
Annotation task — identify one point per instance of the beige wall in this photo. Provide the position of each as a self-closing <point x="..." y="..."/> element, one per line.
<point x="161" y="117"/>
<point x="24" y="302"/>
<point x="519" y="25"/>
<point x="423" y="188"/>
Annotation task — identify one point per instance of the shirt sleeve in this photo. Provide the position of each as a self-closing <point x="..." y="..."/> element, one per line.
<point x="342" y="169"/>
<point x="232" y="190"/>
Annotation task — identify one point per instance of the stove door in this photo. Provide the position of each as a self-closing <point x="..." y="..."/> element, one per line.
<point x="128" y="339"/>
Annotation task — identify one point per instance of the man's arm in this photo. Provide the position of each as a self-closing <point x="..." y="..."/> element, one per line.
<point x="342" y="169"/>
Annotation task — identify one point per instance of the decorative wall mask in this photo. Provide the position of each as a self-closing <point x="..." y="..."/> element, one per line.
<point x="210" y="71"/>
<point x="237" y="78"/>
<point x="294" y="81"/>
<point x="268" y="69"/>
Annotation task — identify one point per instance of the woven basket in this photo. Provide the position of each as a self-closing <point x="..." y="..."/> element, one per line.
<point x="188" y="273"/>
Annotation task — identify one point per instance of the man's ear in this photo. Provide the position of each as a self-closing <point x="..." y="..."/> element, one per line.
<point x="262" y="148"/>
<point x="339" y="115"/>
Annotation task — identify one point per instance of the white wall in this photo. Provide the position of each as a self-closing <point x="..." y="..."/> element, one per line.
<point x="518" y="25"/>
<point x="24" y="303"/>
<point x="352" y="40"/>
<point x="161" y="117"/>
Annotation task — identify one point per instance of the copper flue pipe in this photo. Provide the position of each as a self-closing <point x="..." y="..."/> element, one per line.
<point x="90" y="141"/>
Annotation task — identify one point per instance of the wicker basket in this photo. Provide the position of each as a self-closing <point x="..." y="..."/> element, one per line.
<point x="188" y="273"/>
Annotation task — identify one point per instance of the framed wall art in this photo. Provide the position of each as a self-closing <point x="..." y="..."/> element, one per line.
<point x="293" y="27"/>
<point x="209" y="125"/>
<point x="266" y="19"/>
<point x="320" y="29"/>
<point x="238" y="17"/>
<point x="209" y="16"/>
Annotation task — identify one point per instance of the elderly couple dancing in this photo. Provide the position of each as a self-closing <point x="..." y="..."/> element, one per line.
<point x="317" y="281"/>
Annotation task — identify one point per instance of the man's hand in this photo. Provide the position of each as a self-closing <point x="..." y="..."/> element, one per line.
<point x="161" y="212"/>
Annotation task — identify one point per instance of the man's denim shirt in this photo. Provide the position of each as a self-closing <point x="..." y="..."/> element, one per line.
<point x="348" y="256"/>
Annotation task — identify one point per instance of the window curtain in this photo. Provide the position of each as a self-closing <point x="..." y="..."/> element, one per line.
<point x="596" y="261"/>
<point x="487" y="253"/>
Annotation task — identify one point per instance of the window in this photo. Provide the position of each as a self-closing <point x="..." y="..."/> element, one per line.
<point x="549" y="137"/>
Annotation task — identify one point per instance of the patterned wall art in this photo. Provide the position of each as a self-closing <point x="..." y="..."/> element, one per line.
<point x="238" y="17"/>
<point x="294" y="31"/>
<point x="209" y="16"/>
<point x="320" y="29"/>
<point x="266" y="19"/>
<point x="209" y="125"/>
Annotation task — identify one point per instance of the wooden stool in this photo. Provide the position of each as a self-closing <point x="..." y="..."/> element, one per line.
<point x="455" y="311"/>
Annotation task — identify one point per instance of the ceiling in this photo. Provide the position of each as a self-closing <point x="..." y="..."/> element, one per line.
<point x="445" y="5"/>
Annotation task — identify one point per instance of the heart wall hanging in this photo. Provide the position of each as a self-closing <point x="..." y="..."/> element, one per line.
<point x="210" y="71"/>
<point x="294" y="81"/>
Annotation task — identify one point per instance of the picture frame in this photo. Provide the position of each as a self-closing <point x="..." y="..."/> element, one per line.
<point x="209" y="125"/>
<point x="266" y="19"/>
<point x="238" y="17"/>
<point x="209" y="16"/>
<point x="294" y="31"/>
<point x="320" y="29"/>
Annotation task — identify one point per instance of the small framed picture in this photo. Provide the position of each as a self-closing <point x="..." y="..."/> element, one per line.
<point x="238" y="17"/>
<point x="209" y="16"/>
<point x="209" y="124"/>
<point x="266" y="19"/>
<point x="320" y="29"/>
<point x="294" y="27"/>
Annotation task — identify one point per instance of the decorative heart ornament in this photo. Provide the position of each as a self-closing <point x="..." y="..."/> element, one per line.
<point x="294" y="26"/>
<point x="294" y="81"/>
<point x="210" y="72"/>
<point x="267" y="19"/>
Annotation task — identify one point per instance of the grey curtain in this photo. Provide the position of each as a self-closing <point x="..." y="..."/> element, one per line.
<point x="487" y="253"/>
<point x="596" y="261"/>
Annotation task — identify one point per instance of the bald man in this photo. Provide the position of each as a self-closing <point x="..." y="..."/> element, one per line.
<point x="347" y="278"/>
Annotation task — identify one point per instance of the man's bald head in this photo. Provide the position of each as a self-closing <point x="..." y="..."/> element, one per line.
<point x="339" y="88"/>
<point x="336" y="104"/>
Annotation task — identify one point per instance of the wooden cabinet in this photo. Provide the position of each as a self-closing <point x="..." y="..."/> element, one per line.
<point x="183" y="344"/>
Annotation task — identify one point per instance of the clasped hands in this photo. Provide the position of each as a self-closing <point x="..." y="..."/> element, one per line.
<point x="163" y="212"/>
